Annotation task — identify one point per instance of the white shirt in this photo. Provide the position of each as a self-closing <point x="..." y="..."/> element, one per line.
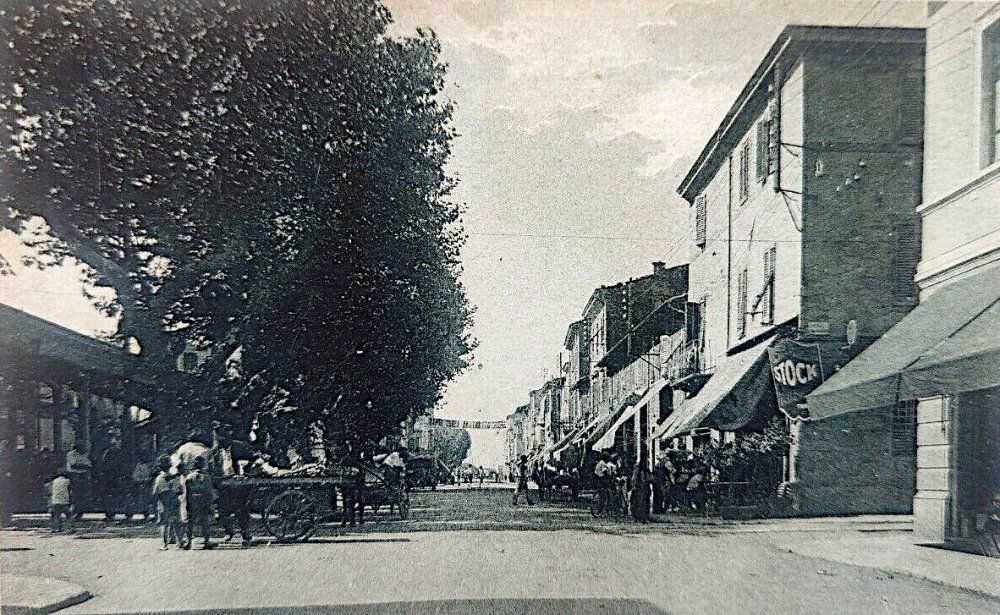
<point x="59" y="490"/>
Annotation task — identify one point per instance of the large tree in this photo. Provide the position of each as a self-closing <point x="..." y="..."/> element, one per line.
<point x="267" y="178"/>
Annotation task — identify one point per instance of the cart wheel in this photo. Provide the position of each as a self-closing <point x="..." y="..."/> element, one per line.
<point x="291" y="515"/>
<point x="404" y="507"/>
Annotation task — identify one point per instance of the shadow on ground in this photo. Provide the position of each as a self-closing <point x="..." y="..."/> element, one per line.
<point x="499" y="606"/>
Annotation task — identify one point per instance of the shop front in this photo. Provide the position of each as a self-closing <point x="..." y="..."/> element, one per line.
<point x="943" y="359"/>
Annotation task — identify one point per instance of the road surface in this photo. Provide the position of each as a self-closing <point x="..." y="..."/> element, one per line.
<point x="469" y="551"/>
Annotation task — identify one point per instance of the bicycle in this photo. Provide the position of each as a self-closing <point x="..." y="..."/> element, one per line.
<point x="609" y="502"/>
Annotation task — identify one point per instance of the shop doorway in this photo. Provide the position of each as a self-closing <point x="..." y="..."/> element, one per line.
<point x="977" y="460"/>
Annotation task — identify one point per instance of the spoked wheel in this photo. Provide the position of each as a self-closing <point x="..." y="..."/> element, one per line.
<point x="291" y="515"/>
<point x="404" y="507"/>
<point x="597" y="506"/>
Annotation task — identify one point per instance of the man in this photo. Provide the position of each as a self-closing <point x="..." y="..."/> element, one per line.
<point x="661" y="476"/>
<point x="522" y="480"/>
<point x="200" y="494"/>
<point x="111" y="478"/>
<point x="79" y="467"/>
<point x="233" y="502"/>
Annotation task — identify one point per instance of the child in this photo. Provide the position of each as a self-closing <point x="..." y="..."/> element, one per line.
<point x="168" y="489"/>
<point x="58" y="492"/>
<point x="198" y="486"/>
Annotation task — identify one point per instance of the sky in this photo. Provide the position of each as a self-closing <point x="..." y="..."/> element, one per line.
<point x="576" y="122"/>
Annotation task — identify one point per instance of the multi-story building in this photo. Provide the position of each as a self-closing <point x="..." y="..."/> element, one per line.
<point x="942" y="359"/>
<point x="617" y="342"/>
<point x="515" y="440"/>
<point x="576" y="389"/>
<point x="806" y="235"/>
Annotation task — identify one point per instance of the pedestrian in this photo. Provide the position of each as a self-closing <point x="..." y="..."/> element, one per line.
<point x="140" y="486"/>
<point x="79" y="470"/>
<point x="233" y="502"/>
<point x="60" y="501"/>
<point x="110" y="479"/>
<point x="168" y="489"/>
<point x="198" y="488"/>
<point x="640" y="492"/>
<point x="661" y="478"/>
<point x="482" y="474"/>
<point x="522" y="481"/>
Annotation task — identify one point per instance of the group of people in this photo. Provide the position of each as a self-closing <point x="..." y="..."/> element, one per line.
<point x="183" y="491"/>
<point x="680" y="483"/>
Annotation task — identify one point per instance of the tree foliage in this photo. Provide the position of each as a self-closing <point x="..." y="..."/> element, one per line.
<point x="451" y="444"/>
<point x="266" y="178"/>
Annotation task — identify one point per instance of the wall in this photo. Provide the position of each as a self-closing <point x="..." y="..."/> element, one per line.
<point x="767" y="220"/>
<point x="845" y="465"/>
<point x="860" y="229"/>
<point x="961" y="201"/>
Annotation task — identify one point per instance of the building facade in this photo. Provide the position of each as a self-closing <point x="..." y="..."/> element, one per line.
<point x="942" y="358"/>
<point x="807" y="238"/>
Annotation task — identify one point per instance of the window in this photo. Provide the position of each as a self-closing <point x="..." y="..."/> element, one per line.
<point x="741" y="305"/>
<point x="904" y="429"/>
<point x="990" y="79"/>
<point x="762" y="161"/>
<point x="905" y="256"/>
<point x="700" y="220"/>
<point x="745" y="171"/>
<point x="767" y="300"/>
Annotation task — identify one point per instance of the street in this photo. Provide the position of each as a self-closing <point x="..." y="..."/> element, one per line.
<point x="467" y="550"/>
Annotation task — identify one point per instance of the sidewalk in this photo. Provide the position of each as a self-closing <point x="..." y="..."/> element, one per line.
<point x="895" y="553"/>
<point x="25" y="595"/>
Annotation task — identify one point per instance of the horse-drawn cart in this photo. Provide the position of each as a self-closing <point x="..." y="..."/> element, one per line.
<point x="292" y="505"/>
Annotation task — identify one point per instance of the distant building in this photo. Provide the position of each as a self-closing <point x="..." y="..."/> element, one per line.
<point x="807" y="237"/>
<point x="942" y="362"/>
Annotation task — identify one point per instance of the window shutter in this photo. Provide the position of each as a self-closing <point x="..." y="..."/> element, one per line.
<point x="767" y="310"/>
<point x="745" y="171"/>
<point x="911" y="108"/>
<point x="906" y="254"/>
<point x="700" y="222"/>
<point x="762" y="153"/>
<point x="741" y="305"/>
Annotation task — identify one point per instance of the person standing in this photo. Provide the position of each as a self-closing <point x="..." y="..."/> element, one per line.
<point x="198" y="487"/>
<point x="522" y="481"/>
<point x="640" y="492"/>
<point x="168" y="489"/>
<point x="59" y="493"/>
<point x="78" y="467"/>
<point x="139" y="489"/>
<point x="234" y="501"/>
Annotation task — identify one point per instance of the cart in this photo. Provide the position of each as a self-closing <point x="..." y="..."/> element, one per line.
<point x="291" y="506"/>
<point x="382" y="488"/>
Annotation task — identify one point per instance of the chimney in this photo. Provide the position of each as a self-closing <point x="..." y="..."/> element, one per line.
<point x="659" y="268"/>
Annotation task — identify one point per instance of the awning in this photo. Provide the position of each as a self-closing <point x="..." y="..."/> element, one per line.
<point x="567" y="439"/>
<point x="607" y="440"/>
<point x="732" y="393"/>
<point x="947" y="344"/>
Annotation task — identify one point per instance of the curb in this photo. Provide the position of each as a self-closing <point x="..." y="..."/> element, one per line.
<point x="39" y="595"/>
<point x="893" y="571"/>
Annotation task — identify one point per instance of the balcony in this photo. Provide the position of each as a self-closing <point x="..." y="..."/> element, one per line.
<point x="687" y="368"/>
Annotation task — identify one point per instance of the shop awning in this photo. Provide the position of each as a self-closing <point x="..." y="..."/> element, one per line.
<point x="598" y="427"/>
<point x="607" y="440"/>
<point x="731" y="395"/>
<point x="566" y="441"/>
<point x="947" y="344"/>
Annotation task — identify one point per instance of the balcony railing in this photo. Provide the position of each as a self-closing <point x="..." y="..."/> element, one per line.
<point x="688" y="359"/>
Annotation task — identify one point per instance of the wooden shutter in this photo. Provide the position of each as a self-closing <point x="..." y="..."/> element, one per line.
<point x="767" y="309"/>
<point x="761" y="149"/>
<point x="911" y="108"/>
<point x="700" y="221"/>
<point x="745" y="171"/>
<point x="905" y="255"/>
<point x="741" y="305"/>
